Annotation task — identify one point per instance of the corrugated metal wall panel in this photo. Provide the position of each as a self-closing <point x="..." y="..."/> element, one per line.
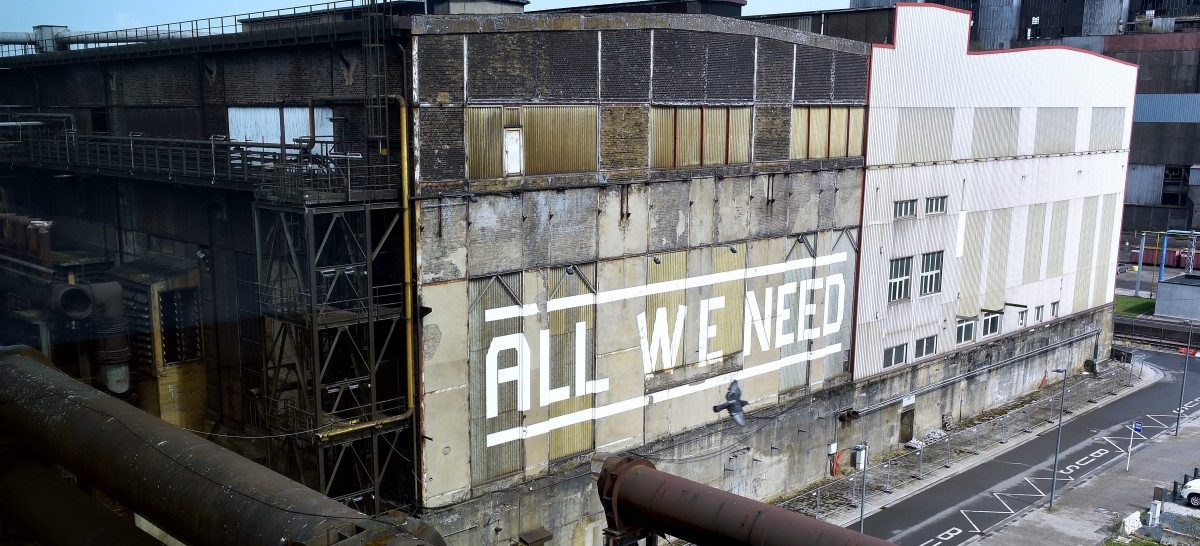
<point x="855" y="138"/>
<point x="485" y="136"/>
<point x="1035" y="243"/>
<point x="578" y="438"/>
<point x="971" y="272"/>
<point x="687" y="136"/>
<point x="796" y="376"/>
<point x="715" y="135"/>
<point x="671" y="267"/>
<point x="261" y="124"/>
<point x="1000" y="232"/>
<point x="842" y="241"/>
<point x="1056" y="128"/>
<point x="1167" y="108"/>
<point x="559" y="139"/>
<point x="501" y="460"/>
<point x="1144" y="184"/>
<point x="1105" y="267"/>
<point x="995" y="132"/>
<point x="839" y="128"/>
<point x="1108" y="128"/>
<point x="1058" y="243"/>
<point x="800" y="129"/>
<point x="739" y="134"/>
<point x="729" y="328"/>
<point x="1087" y="247"/>
<point x="927" y="135"/>
<point x="818" y="132"/>
<point x="662" y="137"/>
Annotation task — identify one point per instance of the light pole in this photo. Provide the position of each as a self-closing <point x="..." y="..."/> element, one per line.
<point x="1062" y="399"/>
<point x="1183" y="383"/>
<point x="861" y="451"/>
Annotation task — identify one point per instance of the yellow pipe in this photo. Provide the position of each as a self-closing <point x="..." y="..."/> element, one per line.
<point x="408" y="218"/>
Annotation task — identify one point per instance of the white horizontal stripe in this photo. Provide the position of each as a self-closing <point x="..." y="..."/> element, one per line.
<point x="620" y="294"/>
<point x="511" y="311"/>
<point x="592" y="414"/>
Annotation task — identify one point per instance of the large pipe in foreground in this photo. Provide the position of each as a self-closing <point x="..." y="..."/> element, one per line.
<point x="56" y="512"/>
<point x="641" y="501"/>
<point x="191" y="488"/>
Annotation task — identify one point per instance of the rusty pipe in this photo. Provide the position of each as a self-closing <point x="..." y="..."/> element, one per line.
<point x="191" y="488"/>
<point x="640" y="500"/>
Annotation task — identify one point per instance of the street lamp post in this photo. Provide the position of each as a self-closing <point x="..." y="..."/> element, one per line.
<point x="1183" y="383"/>
<point x="1062" y="399"/>
<point x="861" y="451"/>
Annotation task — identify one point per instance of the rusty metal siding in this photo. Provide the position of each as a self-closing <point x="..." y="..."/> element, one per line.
<point x="995" y="132"/>
<point x="687" y="136"/>
<point x="1055" y="130"/>
<point x="1000" y="229"/>
<point x="972" y="265"/>
<point x="856" y="131"/>
<point x="564" y="351"/>
<point x="662" y="137"/>
<point x="488" y="463"/>
<point x="669" y="267"/>
<point x="926" y="135"/>
<point x="716" y="135"/>
<point x="739" y="134"/>
<point x="839" y="130"/>
<point x="559" y="139"/>
<point x="1035" y="243"/>
<point x="485" y="136"/>
<point x="1058" y="243"/>
<point x="800" y="130"/>
<point x="1108" y="128"/>
<point x="1087" y="251"/>
<point x="818" y="132"/>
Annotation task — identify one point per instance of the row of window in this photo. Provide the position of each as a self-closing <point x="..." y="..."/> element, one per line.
<point x="990" y="324"/>
<point x="900" y="276"/>
<point x="908" y="208"/>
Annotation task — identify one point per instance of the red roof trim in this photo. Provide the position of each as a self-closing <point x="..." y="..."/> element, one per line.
<point x="925" y="5"/>
<point x="1059" y="47"/>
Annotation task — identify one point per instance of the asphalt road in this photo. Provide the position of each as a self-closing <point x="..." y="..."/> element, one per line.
<point x="977" y="499"/>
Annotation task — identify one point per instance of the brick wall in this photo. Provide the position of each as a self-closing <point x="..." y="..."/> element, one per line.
<point x="623" y="133"/>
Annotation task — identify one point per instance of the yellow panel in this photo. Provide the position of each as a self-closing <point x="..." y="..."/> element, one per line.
<point x="484" y="142"/>
<point x="799" y="133"/>
<point x="559" y="139"/>
<point x="662" y="137"/>
<point x="577" y="438"/>
<point x="729" y="319"/>
<point x="854" y="145"/>
<point x="687" y="138"/>
<point x="739" y="134"/>
<point x="818" y="132"/>
<point x="181" y="394"/>
<point x="839" y="121"/>
<point x="671" y="267"/>
<point x="715" y="135"/>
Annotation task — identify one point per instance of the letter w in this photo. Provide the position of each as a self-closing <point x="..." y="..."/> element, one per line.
<point x="661" y="342"/>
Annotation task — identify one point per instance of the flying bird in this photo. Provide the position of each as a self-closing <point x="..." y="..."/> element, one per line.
<point x="733" y="403"/>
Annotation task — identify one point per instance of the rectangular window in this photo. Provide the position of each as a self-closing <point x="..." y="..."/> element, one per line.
<point x="1054" y="309"/>
<point x="931" y="273"/>
<point x="935" y="205"/>
<point x="991" y="324"/>
<point x="926" y="346"/>
<point x="899" y="279"/>
<point x="1021" y="319"/>
<point x="893" y="356"/>
<point x="1037" y="312"/>
<point x="965" y="330"/>
<point x="685" y="136"/>
<point x="904" y="209"/>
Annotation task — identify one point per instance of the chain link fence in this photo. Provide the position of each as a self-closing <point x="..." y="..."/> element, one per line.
<point x="839" y="498"/>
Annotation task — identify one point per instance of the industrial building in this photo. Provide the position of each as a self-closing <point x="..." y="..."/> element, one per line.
<point x="431" y="264"/>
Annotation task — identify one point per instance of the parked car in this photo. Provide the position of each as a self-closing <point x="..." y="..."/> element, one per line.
<point x="1191" y="492"/>
<point x="1122" y="268"/>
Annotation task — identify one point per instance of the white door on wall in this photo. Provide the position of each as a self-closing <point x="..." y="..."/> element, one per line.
<point x="513" y="156"/>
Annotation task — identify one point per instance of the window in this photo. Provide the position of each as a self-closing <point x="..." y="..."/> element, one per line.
<point x="991" y="324"/>
<point x="966" y="330"/>
<point x="1054" y="309"/>
<point x="1037" y="312"/>
<point x="827" y="131"/>
<point x="893" y="356"/>
<point x="689" y="136"/>
<point x="904" y="209"/>
<point x="935" y="205"/>
<point x="899" y="279"/>
<point x="926" y="346"/>
<point x="1021" y="319"/>
<point x="931" y="273"/>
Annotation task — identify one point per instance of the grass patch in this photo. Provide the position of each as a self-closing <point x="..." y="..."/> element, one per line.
<point x="1136" y="541"/>
<point x="1131" y="306"/>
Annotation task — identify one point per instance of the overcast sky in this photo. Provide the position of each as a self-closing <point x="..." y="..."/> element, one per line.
<point x="22" y="15"/>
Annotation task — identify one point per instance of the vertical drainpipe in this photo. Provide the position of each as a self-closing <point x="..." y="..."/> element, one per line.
<point x="408" y="221"/>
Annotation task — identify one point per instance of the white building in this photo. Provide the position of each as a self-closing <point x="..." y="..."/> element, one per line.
<point x="993" y="189"/>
